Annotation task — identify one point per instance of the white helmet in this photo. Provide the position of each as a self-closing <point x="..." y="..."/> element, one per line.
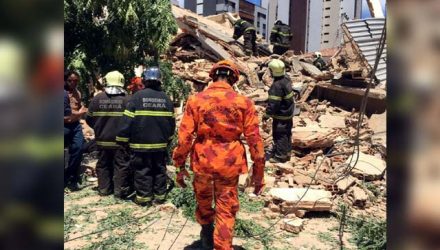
<point x="318" y="54"/>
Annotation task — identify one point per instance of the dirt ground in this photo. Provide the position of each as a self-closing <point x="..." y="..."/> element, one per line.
<point x="95" y="222"/>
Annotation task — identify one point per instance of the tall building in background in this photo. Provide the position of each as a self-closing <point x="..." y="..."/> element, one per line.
<point x="211" y="7"/>
<point x="315" y="24"/>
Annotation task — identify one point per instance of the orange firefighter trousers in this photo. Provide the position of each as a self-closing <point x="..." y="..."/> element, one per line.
<point x="223" y="191"/>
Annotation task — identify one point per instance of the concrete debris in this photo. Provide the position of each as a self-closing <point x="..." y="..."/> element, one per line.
<point x="313" y="200"/>
<point x="358" y="196"/>
<point x="326" y="104"/>
<point x="293" y="226"/>
<point x="368" y="167"/>
<point x="313" y="137"/>
<point x="331" y="121"/>
<point x="345" y="183"/>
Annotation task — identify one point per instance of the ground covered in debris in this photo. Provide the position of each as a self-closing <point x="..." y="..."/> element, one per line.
<point x="331" y="193"/>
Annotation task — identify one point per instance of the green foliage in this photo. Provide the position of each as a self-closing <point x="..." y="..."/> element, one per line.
<point x="368" y="233"/>
<point x="328" y="239"/>
<point x="249" y="205"/>
<point x="248" y="228"/>
<point x="101" y="36"/>
<point x="374" y="189"/>
<point x="173" y="86"/>
<point x="184" y="199"/>
<point x="118" y="241"/>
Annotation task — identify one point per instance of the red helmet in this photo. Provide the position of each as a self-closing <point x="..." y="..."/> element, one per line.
<point x="227" y="68"/>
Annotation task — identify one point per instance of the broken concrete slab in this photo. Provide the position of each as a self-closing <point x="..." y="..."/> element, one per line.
<point x="313" y="137"/>
<point x="293" y="226"/>
<point x="310" y="69"/>
<point x="282" y="184"/>
<point x="358" y="196"/>
<point x="368" y="167"/>
<point x="344" y="184"/>
<point x="312" y="199"/>
<point x="285" y="168"/>
<point x="302" y="180"/>
<point x="331" y="121"/>
<point x="349" y="98"/>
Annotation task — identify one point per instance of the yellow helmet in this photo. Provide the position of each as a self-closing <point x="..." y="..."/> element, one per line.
<point x="277" y="67"/>
<point x="114" y="78"/>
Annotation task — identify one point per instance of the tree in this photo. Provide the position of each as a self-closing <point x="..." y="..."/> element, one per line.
<point x="105" y="35"/>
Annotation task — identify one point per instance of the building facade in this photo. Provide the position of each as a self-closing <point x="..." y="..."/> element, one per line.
<point x="249" y="11"/>
<point x="211" y="7"/>
<point x="315" y="24"/>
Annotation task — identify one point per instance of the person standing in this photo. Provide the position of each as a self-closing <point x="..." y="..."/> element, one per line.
<point x="216" y="118"/>
<point x="148" y="127"/>
<point x="247" y="30"/>
<point x="105" y="117"/>
<point x="74" y="138"/>
<point x="280" y="108"/>
<point x="280" y="37"/>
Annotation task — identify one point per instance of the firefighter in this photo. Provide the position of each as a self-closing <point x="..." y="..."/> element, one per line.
<point x="280" y="108"/>
<point x="247" y="30"/>
<point x="105" y="117"/>
<point x="216" y="118"/>
<point x="148" y="127"/>
<point x="280" y="37"/>
<point x="319" y="62"/>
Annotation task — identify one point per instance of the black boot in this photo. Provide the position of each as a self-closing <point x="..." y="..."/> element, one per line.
<point x="207" y="236"/>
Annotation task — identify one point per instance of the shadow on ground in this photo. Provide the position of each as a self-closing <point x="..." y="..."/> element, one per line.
<point x="197" y="245"/>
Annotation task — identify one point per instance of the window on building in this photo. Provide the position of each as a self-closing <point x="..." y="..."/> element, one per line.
<point x="327" y="16"/>
<point x="258" y="24"/>
<point x="326" y="41"/>
<point x="199" y="1"/>
<point x="264" y="26"/>
<point x="327" y="25"/>
<point x="326" y="33"/>
<point x="328" y="8"/>
<point x="199" y="9"/>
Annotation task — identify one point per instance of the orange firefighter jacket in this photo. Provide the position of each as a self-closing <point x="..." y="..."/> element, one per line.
<point x="211" y="127"/>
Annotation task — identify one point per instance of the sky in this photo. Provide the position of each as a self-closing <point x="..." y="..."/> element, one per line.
<point x="366" y="11"/>
<point x="256" y="2"/>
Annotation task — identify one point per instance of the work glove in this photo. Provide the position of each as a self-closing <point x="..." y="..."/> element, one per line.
<point x="181" y="173"/>
<point x="258" y="189"/>
<point x="257" y="180"/>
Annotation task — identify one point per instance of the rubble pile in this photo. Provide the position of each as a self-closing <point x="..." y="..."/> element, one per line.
<point x="311" y="181"/>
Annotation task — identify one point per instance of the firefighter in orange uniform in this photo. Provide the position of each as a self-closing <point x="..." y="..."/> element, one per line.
<point x="210" y="131"/>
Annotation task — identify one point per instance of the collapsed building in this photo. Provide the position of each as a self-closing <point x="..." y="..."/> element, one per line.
<point x="326" y="111"/>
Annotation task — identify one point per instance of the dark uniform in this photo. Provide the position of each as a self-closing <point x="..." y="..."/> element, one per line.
<point x="242" y="27"/>
<point x="148" y="126"/>
<point x="280" y="108"/>
<point x="280" y="37"/>
<point x="113" y="169"/>
<point x="320" y="63"/>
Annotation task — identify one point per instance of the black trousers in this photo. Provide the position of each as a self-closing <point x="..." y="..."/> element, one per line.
<point x="150" y="173"/>
<point x="114" y="172"/>
<point x="279" y="50"/>
<point x="282" y="138"/>
<point x="250" y="46"/>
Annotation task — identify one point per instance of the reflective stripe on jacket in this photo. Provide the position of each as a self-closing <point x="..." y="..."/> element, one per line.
<point x="281" y="35"/>
<point x="241" y="26"/>
<point x="148" y="122"/>
<point x="280" y="103"/>
<point x="105" y="117"/>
